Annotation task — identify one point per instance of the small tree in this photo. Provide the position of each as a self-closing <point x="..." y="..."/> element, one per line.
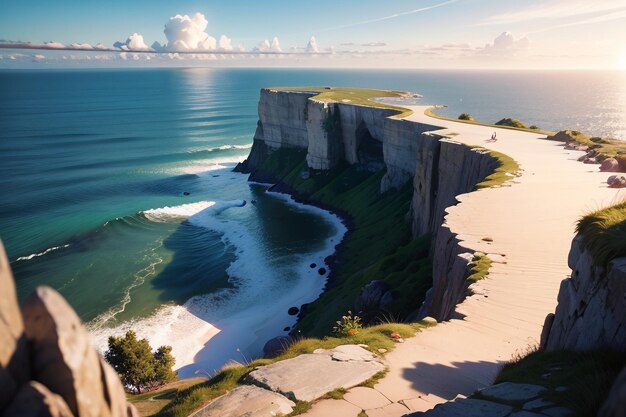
<point x="466" y="116"/>
<point x="138" y="367"/>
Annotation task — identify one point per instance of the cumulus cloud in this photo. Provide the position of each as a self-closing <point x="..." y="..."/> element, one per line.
<point x="185" y="33"/>
<point x="81" y="46"/>
<point x="54" y="45"/>
<point x="224" y="43"/>
<point x="134" y="42"/>
<point x="312" y="47"/>
<point x="267" y="46"/>
<point x="507" y="44"/>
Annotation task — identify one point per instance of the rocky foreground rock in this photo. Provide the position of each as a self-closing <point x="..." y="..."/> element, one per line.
<point x="47" y="364"/>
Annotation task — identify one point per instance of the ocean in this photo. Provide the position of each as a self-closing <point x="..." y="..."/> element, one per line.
<point x="116" y="188"/>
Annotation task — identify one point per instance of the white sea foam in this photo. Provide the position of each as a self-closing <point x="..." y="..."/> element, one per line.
<point x="211" y="330"/>
<point x="47" y="251"/>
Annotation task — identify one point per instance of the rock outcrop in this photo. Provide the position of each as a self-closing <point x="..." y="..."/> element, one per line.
<point x="47" y="364"/>
<point x="591" y="313"/>
<point x="439" y="169"/>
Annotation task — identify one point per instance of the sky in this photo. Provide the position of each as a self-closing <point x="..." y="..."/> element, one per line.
<point x="533" y="34"/>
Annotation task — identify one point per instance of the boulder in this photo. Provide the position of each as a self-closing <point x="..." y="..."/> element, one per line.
<point x="35" y="400"/>
<point x="615" y="181"/>
<point x="277" y="346"/>
<point x="13" y="351"/>
<point x="374" y="297"/>
<point x="248" y="401"/>
<point x="62" y="356"/>
<point x="467" y="408"/>
<point x="310" y="376"/>
<point x="609" y="165"/>
<point x="509" y="391"/>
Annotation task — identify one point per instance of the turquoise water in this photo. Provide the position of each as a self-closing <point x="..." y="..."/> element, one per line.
<point x="85" y="154"/>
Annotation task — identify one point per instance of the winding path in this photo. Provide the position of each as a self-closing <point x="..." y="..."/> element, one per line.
<point x="531" y="222"/>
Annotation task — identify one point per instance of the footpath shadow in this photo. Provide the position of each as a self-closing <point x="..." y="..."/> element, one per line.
<point x="449" y="381"/>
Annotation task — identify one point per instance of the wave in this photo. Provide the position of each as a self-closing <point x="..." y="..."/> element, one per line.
<point x="210" y="330"/>
<point x="228" y="147"/>
<point x="47" y="251"/>
<point x="184" y="211"/>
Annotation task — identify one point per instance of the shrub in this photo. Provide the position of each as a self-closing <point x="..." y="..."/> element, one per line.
<point x="534" y="127"/>
<point x="349" y="325"/>
<point x="511" y="122"/>
<point x="466" y="116"/>
<point x="139" y="367"/>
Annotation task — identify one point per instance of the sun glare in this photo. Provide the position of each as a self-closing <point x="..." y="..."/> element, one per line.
<point x="621" y="61"/>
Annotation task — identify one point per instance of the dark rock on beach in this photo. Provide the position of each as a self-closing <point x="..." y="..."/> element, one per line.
<point x="293" y="311"/>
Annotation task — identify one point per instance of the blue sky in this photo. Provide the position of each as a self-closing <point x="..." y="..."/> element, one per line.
<point x="430" y="33"/>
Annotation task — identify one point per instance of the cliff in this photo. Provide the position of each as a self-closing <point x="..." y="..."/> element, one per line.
<point x="591" y="313"/>
<point x="335" y="132"/>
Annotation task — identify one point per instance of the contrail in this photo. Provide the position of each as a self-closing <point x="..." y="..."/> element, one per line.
<point x="393" y="16"/>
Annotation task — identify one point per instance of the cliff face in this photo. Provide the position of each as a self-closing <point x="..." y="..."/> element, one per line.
<point x="439" y="169"/>
<point x="591" y="313"/>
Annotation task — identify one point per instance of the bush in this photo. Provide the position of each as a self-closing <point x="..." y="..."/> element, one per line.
<point x="511" y="123"/>
<point x="138" y="367"/>
<point x="349" y="325"/>
<point x="466" y="116"/>
<point x="534" y="127"/>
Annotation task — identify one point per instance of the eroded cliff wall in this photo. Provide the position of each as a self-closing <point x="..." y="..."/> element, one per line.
<point x="439" y="169"/>
<point x="591" y="313"/>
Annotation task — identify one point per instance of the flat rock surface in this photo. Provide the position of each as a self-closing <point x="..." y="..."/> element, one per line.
<point x="468" y="408"/>
<point x="248" y="401"/>
<point x="334" y="408"/>
<point x="391" y="410"/>
<point x="366" y="398"/>
<point x="509" y="391"/>
<point x="310" y="376"/>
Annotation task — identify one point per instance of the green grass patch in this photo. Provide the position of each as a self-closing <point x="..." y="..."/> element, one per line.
<point x="479" y="267"/>
<point x="431" y="113"/>
<point x="336" y="394"/>
<point x="604" y="233"/>
<point x="185" y="401"/>
<point x="507" y="169"/>
<point x="300" y="408"/>
<point x="604" y="147"/>
<point x="512" y="123"/>
<point x="374" y="379"/>
<point x="587" y="376"/>
<point x="356" y="96"/>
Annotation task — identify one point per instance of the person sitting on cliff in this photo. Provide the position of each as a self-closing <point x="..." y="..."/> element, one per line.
<point x="493" y="137"/>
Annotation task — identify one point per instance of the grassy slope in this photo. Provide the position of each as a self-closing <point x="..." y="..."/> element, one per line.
<point x="587" y="376"/>
<point x="357" y="96"/>
<point x="187" y="400"/>
<point x="605" y="147"/>
<point x="604" y="233"/>
<point x="507" y="168"/>
<point x="378" y="247"/>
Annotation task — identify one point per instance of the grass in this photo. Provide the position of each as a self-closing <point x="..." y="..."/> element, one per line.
<point x="151" y="402"/>
<point x="604" y="147"/>
<point x="300" y="408"/>
<point x="379" y="245"/>
<point x="336" y="394"/>
<point x="507" y="168"/>
<point x="356" y="96"/>
<point x="604" y="233"/>
<point x="374" y="379"/>
<point x="479" y="267"/>
<point x="587" y="376"/>
<point x="187" y="400"/>
<point x="512" y="123"/>
<point x="431" y="113"/>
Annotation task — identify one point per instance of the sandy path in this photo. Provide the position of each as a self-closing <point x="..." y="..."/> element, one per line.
<point x="531" y="223"/>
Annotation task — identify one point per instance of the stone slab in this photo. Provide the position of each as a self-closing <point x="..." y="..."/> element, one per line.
<point x="509" y="391"/>
<point x="468" y="408"/>
<point x="334" y="408"/>
<point x="310" y="376"/>
<point x="249" y="401"/>
<point x="391" y="410"/>
<point x="366" y="398"/>
<point x="537" y="404"/>
<point x="557" y="412"/>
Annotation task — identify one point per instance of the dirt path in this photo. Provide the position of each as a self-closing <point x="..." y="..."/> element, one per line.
<point x="531" y="222"/>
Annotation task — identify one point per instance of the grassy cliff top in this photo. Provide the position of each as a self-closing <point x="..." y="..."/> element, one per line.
<point x="604" y="233"/>
<point x="356" y="96"/>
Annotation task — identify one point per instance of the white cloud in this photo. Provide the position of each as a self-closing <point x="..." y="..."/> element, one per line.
<point x="506" y="44"/>
<point x="312" y="47"/>
<point x="54" y="45"/>
<point x="224" y="43"/>
<point x="39" y="56"/>
<point x="267" y="46"/>
<point x="81" y="46"/>
<point x="134" y="42"/>
<point x="186" y="33"/>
